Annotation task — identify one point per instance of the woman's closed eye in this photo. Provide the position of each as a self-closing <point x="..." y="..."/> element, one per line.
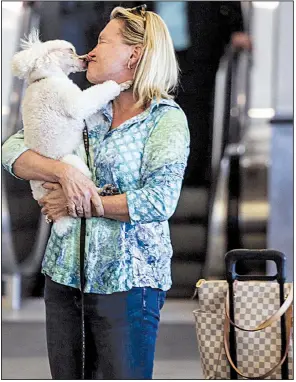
<point x="101" y="40"/>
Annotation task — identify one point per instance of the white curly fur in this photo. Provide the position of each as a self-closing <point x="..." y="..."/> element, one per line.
<point x="54" y="108"/>
<point x="32" y="39"/>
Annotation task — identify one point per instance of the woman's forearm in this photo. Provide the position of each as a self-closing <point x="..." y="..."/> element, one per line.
<point x="116" y="207"/>
<point x="32" y="166"/>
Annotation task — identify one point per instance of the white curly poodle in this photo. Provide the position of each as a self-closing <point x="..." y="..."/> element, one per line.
<point x="53" y="107"/>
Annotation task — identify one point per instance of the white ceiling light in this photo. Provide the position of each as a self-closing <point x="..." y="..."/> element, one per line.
<point x="266" y="4"/>
<point x="265" y="113"/>
<point x="14" y="6"/>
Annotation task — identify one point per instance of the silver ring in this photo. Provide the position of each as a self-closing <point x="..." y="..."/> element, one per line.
<point x="48" y="220"/>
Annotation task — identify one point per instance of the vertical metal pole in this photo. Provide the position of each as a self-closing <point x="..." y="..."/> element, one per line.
<point x="16" y="292"/>
<point x="13" y="291"/>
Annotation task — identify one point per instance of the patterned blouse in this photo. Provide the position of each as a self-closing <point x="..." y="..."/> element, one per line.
<point x="145" y="157"/>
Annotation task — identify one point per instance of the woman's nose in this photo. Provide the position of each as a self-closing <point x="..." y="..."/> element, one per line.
<point x="92" y="54"/>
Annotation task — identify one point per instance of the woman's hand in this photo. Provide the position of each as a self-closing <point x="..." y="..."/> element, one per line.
<point x="54" y="203"/>
<point x="79" y="192"/>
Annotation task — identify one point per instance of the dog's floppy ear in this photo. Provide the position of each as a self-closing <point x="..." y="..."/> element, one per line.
<point x="22" y="64"/>
<point x="24" y="61"/>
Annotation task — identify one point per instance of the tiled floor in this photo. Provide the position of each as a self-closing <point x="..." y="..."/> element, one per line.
<point x="24" y="352"/>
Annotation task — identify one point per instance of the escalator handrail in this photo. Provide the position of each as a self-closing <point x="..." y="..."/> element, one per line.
<point x="234" y="115"/>
<point x="30" y="19"/>
<point x="231" y="147"/>
<point x="237" y="126"/>
<point x="231" y="132"/>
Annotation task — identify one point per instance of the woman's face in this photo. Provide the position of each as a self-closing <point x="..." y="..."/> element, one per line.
<point x="110" y="57"/>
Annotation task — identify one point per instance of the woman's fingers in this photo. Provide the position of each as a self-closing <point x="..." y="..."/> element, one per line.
<point x="71" y="208"/>
<point x="86" y="205"/>
<point x="78" y="190"/>
<point x="87" y="209"/>
<point x="51" y="186"/>
<point x="42" y="201"/>
<point x="79" y="211"/>
<point x="97" y="205"/>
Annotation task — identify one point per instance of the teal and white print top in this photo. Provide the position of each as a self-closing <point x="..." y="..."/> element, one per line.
<point x="145" y="157"/>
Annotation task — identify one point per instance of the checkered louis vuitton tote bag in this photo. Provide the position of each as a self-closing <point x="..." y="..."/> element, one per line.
<point x="257" y="324"/>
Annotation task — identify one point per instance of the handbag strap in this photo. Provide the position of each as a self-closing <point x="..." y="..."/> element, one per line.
<point x="269" y="321"/>
<point x="279" y="364"/>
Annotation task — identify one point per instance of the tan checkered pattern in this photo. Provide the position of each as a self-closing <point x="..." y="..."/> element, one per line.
<point x="257" y="352"/>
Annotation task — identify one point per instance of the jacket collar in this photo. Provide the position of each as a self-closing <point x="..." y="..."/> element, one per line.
<point x="107" y="111"/>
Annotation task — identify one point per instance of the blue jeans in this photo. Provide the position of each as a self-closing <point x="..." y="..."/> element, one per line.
<point x="120" y="332"/>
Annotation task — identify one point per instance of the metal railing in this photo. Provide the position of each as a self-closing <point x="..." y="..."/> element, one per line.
<point x="30" y="19"/>
<point x="223" y="226"/>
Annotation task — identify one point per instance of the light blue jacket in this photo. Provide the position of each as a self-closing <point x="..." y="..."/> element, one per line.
<point x="145" y="158"/>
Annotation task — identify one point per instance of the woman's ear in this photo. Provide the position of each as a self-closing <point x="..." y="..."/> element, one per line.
<point x="135" y="56"/>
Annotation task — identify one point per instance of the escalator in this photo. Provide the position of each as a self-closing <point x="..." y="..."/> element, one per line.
<point x="212" y="222"/>
<point x="239" y="210"/>
<point x="237" y="205"/>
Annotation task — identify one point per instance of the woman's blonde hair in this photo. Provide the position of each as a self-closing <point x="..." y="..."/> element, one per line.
<point x="157" y="71"/>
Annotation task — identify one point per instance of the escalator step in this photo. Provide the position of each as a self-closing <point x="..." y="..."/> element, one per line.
<point x="23" y="242"/>
<point x="192" y="204"/>
<point x="188" y="238"/>
<point x="24" y="213"/>
<point x="184" y="276"/>
<point x="198" y="257"/>
<point x="16" y="186"/>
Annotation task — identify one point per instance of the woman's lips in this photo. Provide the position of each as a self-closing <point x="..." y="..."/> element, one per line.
<point x="89" y="63"/>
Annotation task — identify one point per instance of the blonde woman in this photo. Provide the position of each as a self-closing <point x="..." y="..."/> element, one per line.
<point x="141" y="145"/>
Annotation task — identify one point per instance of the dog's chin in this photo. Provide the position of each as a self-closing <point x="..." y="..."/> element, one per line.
<point x="78" y="70"/>
<point x="82" y="67"/>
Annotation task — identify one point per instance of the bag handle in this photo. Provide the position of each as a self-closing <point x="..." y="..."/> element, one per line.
<point x="233" y="256"/>
<point x="275" y="317"/>
<point x="279" y="364"/>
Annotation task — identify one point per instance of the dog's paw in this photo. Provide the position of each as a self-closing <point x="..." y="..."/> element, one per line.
<point x="111" y="87"/>
<point x="125" y="85"/>
<point x="63" y="226"/>
<point x="112" y="84"/>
